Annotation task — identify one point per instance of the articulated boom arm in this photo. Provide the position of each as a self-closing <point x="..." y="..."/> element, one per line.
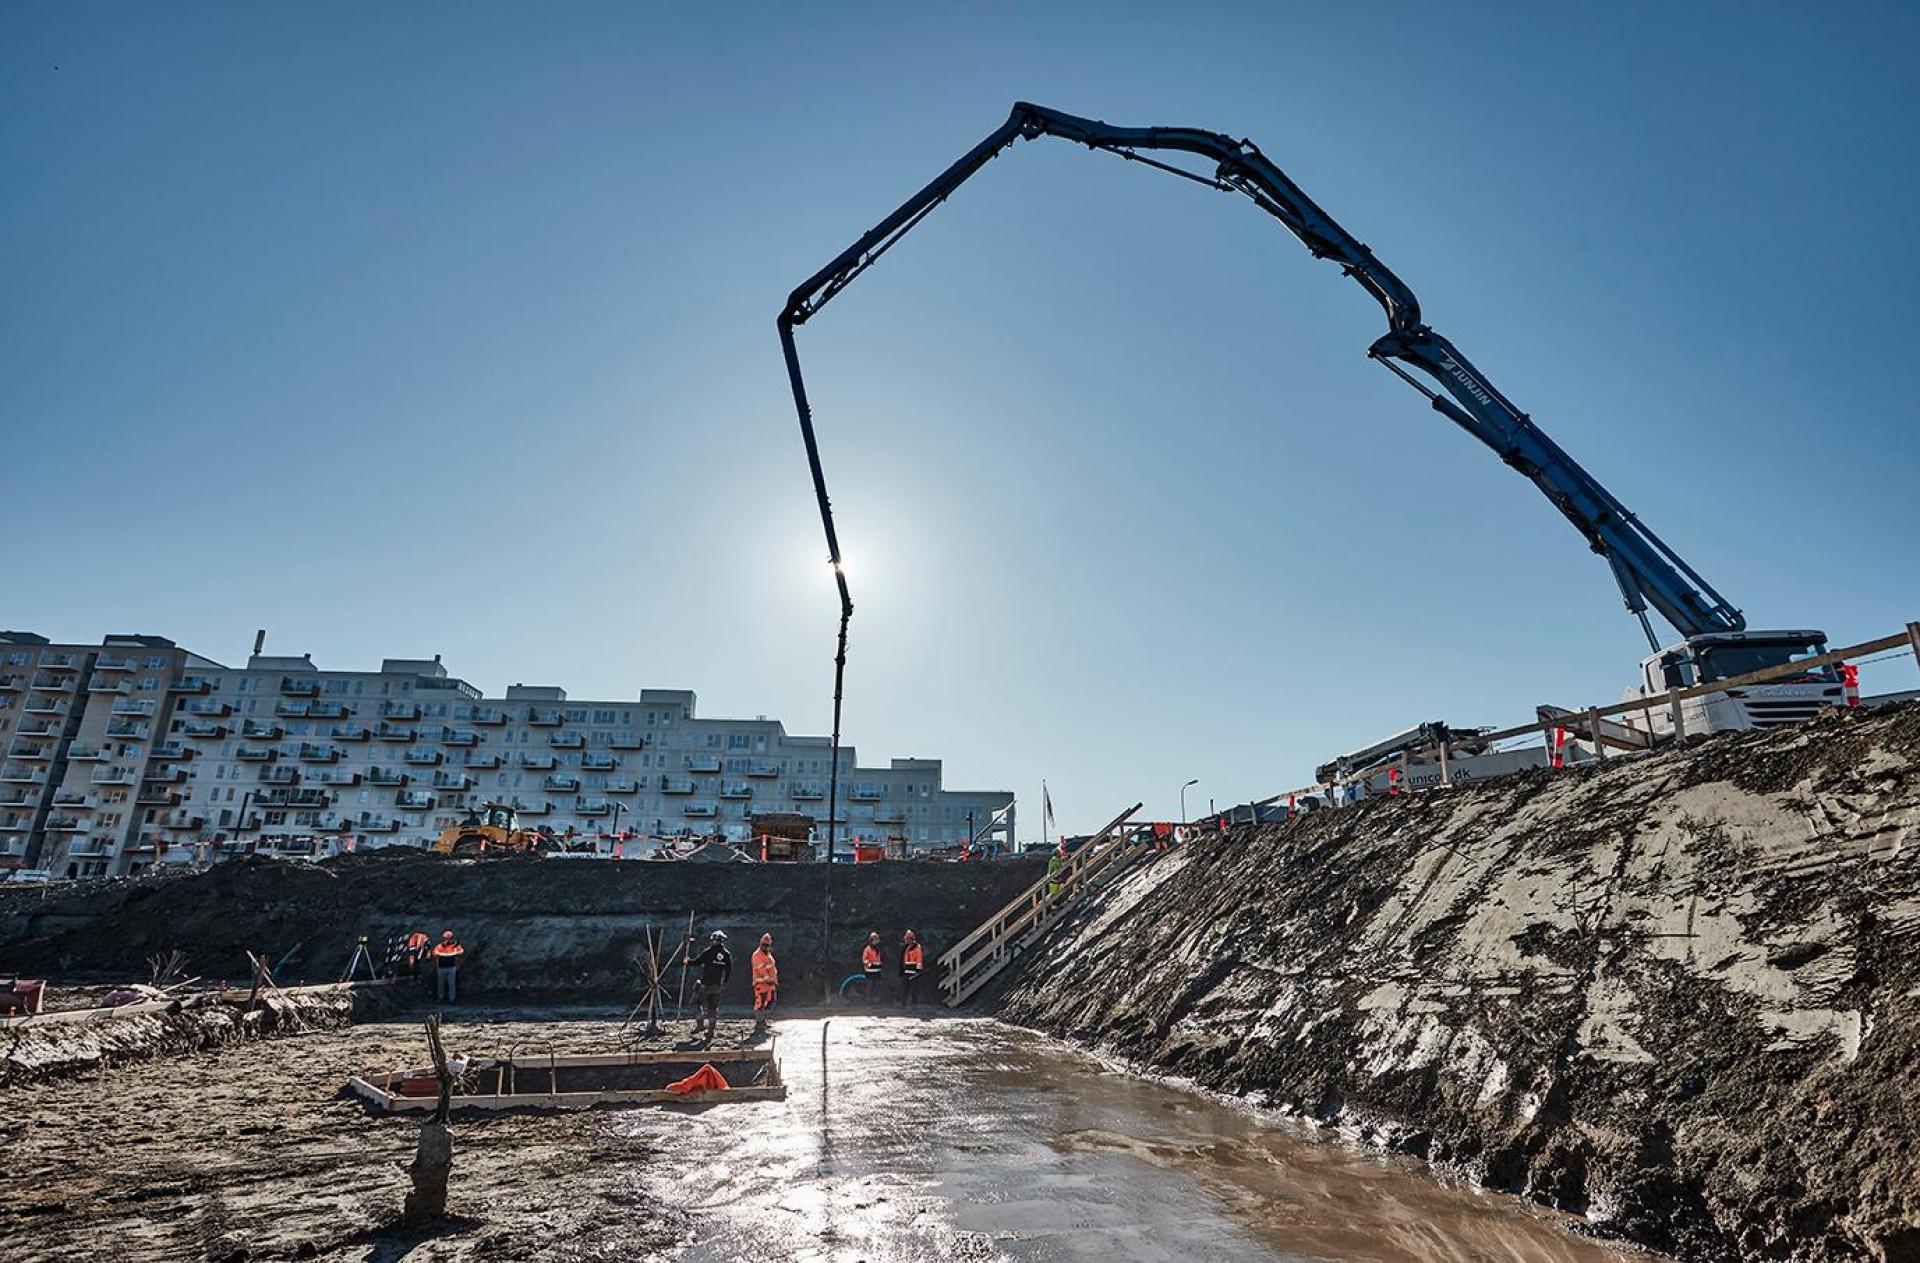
<point x="1647" y="570"/>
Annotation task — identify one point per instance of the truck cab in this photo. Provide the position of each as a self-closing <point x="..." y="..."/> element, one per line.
<point x="1713" y="656"/>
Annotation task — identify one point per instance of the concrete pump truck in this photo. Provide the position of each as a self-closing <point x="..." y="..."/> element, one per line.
<point x="1715" y="643"/>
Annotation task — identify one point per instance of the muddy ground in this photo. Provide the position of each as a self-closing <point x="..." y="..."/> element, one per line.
<point x="1678" y="995"/>
<point x="936" y="1139"/>
<point x="533" y="929"/>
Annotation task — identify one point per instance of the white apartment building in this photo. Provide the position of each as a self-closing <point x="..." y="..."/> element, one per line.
<point x="134" y="752"/>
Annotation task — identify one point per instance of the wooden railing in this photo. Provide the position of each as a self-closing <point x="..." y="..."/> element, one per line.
<point x="974" y="961"/>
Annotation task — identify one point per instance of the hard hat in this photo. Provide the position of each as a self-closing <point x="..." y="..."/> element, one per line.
<point x="909" y="933"/>
<point x="719" y="936"/>
<point x="873" y="936"/>
<point x="766" y="940"/>
<point x="446" y="934"/>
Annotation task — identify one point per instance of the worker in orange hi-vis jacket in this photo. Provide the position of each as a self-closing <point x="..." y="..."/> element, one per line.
<point x="911" y="957"/>
<point x="766" y="979"/>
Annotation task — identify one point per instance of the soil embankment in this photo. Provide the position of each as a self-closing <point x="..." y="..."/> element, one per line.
<point x="533" y="929"/>
<point x="1677" y="994"/>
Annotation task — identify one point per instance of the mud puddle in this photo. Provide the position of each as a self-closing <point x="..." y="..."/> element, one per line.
<point x="971" y="1139"/>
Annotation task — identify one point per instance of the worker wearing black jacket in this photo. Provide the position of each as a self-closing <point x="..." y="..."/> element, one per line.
<point x="716" y="970"/>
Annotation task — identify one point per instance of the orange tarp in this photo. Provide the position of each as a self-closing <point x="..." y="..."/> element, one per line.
<point x="705" y="1079"/>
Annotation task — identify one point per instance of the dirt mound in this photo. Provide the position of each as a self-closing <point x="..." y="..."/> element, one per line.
<point x="1677" y="994"/>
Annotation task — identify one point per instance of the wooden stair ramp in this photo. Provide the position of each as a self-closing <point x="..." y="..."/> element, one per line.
<point x="978" y="958"/>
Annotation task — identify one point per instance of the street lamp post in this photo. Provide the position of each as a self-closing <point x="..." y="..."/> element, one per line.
<point x="618" y="807"/>
<point x="1183" y="799"/>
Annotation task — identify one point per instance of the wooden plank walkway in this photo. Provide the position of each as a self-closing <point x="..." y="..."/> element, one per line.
<point x="975" y="960"/>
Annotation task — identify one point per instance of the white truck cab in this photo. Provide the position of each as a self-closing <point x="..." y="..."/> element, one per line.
<point x="1715" y="656"/>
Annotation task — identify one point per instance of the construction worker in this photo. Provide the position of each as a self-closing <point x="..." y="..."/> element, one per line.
<point x="1055" y="863"/>
<point x="716" y="970"/>
<point x="871" y="964"/>
<point x="766" y="979"/>
<point x="447" y="954"/>
<point x="910" y="959"/>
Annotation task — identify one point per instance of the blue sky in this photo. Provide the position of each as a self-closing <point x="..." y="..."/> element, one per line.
<point x="449" y="328"/>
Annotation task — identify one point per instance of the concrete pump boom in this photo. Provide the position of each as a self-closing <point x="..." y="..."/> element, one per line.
<point x="1647" y="570"/>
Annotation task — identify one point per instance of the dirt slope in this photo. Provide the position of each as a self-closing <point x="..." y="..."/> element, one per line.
<point x="1678" y="994"/>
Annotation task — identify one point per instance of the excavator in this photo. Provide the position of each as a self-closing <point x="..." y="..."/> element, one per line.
<point x="493" y="829"/>
<point x="1715" y="643"/>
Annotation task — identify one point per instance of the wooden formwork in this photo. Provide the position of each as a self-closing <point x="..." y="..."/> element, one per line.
<point x="534" y="1083"/>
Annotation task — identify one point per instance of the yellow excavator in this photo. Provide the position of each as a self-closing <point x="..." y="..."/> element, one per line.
<point x="494" y="828"/>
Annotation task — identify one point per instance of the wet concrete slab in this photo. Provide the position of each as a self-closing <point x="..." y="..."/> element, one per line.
<point x="969" y="1139"/>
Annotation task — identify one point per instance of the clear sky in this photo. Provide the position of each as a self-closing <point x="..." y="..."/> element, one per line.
<point x="403" y="329"/>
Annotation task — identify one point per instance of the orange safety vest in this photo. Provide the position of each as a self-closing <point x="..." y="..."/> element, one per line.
<point x="766" y="974"/>
<point x="448" y="953"/>
<point x="870" y="958"/>
<point x="910" y="959"/>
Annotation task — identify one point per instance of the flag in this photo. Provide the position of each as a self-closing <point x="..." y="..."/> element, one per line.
<point x="1046" y="809"/>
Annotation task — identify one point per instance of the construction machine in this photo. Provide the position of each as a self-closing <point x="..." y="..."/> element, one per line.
<point x="493" y="829"/>
<point x="1715" y="643"/>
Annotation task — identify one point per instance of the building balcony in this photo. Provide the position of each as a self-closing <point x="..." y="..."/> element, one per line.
<point x="351" y="732"/>
<point x="525" y="808"/>
<point x="414" y="800"/>
<point x="568" y="740"/>
<point x="762" y="768"/>
<point x="165" y="776"/>
<point x="256" y="754"/>
<point x="155" y="796"/>
<point x="85" y="754"/>
<point x="403" y="711"/>
<point x="31" y="753"/>
<point x="251" y="731"/>
<point x="167" y="752"/>
<point x="703" y="763"/>
<point x="38" y="728"/>
<point x="561" y="784"/>
<point x="622" y="785"/>
<point x="191" y="684"/>
<point x="111" y="776"/>
<point x="108" y="684"/>
<point x="114" y="662"/>
<point x="279" y="776"/>
<point x="66" y="824"/>
<point x="10" y="683"/>
<point x="387" y="776"/>
<point x="538" y="762"/>
<point x="200" y="730"/>
<point x="676" y="785"/>
<point x="460" y="738"/>
<point x="456" y="781"/>
<point x="15" y="794"/>
<point x="423" y="758"/>
<point x="807" y="793"/>
<point x="599" y="762"/>
<point x="395" y="736"/>
<point x="336" y="778"/>
<point x="319" y="754"/>
<point x="292" y="798"/>
<point x="700" y="809"/>
<point x="544" y="718"/>
<point x="73" y="800"/>
<point x="327" y="710"/>
<point x="379" y="824"/>
<point x="54" y="681"/>
<point x="890" y="815"/>
<point x="43" y="705"/>
<point x="489" y="718"/>
<point x="183" y="820"/>
<point x="593" y="807"/>
<point x="290" y="687"/>
<point x="736" y="789"/>
<point x="21" y="774"/>
<point x="482" y="761"/>
<point x="58" y="661"/>
<point x="628" y="741"/>
<point x="206" y="708"/>
<point x="126" y="730"/>
<point x="865" y="794"/>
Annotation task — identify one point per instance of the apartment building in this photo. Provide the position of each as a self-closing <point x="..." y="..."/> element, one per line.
<point x="188" y="761"/>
